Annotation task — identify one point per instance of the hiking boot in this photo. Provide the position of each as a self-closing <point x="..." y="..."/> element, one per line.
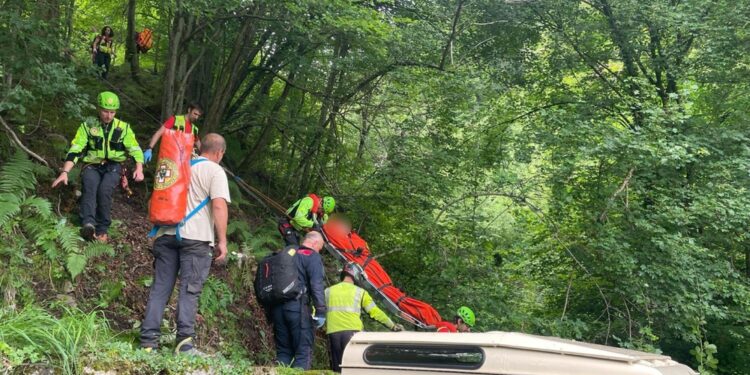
<point x="184" y="345"/>
<point x="103" y="238"/>
<point x="88" y="232"/>
<point x="193" y="352"/>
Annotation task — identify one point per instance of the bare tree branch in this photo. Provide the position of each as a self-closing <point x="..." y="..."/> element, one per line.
<point x="452" y="37"/>
<point x="623" y="186"/>
<point x="15" y="139"/>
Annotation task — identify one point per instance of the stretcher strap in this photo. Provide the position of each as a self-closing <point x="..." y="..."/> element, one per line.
<point x="384" y="286"/>
<point x="367" y="261"/>
<point x="399" y="300"/>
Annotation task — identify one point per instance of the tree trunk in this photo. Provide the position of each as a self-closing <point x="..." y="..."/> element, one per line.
<point x="328" y="111"/>
<point x="182" y="68"/>
<point x="365" y="130"/>
<point x="131" y="53"/>
<point x="176" y="34"/>
<point x="270" y="123"/>
<point x="156" y="55"/>
<point x="49" y="11"/>
<point x="70" y="7"/>
<point x="232" y="75"/>
<point x="454" y="29"/>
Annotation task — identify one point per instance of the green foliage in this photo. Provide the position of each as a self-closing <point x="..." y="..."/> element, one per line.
<point x="704" y="354"/>
<point x="215" y="297"/>
<point x="35" y="71"/>
<point x="580" y="167"/>
<point x="29" y="227"/>
<point x="121" y="356"/>
<point x="32" y="335"/>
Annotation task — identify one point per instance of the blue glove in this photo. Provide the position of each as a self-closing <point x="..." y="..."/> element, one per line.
<point x="320" y="321"/>
<point x="147" y="155"/>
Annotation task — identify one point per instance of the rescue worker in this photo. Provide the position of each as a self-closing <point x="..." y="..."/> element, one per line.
<point x="462" y="322"/>
<point x="190" y="257"/>
<point x="345" y="302"/>
<point x="308" y="213"/>
<point x="101" y="144"/>
<point x="103" y="49"/>
<point x="185" y="123"/>
<point x="293" y="323"/>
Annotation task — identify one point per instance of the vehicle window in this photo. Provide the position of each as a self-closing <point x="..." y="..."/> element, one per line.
<point x="415" y="355"/>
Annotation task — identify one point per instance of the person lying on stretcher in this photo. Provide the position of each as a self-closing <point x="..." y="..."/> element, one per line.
<point x="338" y="231"/>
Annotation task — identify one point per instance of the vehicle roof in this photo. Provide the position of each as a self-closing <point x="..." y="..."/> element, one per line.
<point x="522" y="341"/>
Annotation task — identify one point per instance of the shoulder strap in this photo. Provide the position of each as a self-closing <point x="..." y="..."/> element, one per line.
<point x="293" y="212"/>
<point x="198" y="207"/>
<point x="316" y="202"/>
<point x="196" y="161"/>
<point x="192" y="213"/>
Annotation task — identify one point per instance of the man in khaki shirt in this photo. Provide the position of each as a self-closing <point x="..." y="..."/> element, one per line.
<point x="190" y="257"/>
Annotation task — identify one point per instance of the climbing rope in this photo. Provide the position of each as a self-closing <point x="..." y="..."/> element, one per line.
<point x="258" y="195"/>
<point x="265" y="200"/>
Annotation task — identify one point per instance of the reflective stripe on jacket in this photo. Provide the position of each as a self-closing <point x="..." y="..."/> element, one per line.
<point x="345" y="303"/>
<point x="96" y="142"/>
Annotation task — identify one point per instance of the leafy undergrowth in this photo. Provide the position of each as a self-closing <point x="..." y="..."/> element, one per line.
<point x="33" y="336"/>
<point x="120" y="357"/>
<point x="79" y="342"/>
<point x="72" y="316"/>
<point x="123" y="359"/>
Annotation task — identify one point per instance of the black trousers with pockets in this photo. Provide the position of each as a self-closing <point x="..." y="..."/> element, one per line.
<point x="98" y="182"/>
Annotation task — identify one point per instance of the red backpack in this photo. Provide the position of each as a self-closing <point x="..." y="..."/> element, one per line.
<point x="144" y="40"/>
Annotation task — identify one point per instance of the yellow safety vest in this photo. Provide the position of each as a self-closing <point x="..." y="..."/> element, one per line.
<point x="180" y="122"/>
<point x="345" y="302"/>
<point x="95" y="142"/>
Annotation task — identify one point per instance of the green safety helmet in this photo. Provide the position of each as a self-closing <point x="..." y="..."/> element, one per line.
<point x="466" y="315"/>
<point x="328" y="204"/>
<point x="350" y="269"/>
<point x="108" y="100"/>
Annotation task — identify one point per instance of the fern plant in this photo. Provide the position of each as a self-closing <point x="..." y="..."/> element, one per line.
<point x="30" y="231"/>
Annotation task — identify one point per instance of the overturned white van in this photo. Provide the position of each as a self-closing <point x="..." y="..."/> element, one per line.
<point x="506" y="353"/>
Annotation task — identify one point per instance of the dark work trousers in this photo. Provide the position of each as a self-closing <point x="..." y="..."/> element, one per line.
<point x="192" y="260"/>
<point x="288" y="232"/>
<point x="336" y="344"/>
<point x="98" y="182"/>
<point x="293" y="333"/>
<point x="103" y="60"/>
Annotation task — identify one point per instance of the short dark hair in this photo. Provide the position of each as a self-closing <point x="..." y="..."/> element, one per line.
<point x="195" y="105"/>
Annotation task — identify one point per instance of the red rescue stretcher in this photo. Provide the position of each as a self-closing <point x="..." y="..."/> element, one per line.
<point x="350" y="247"/>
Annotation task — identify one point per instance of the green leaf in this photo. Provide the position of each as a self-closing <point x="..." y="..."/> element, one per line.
<point x="75" y="264"/>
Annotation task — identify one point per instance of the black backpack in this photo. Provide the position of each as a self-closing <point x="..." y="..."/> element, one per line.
<point x="277" y="278"/>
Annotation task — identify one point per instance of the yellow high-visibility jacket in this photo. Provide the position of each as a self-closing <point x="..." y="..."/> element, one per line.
<point x="345" y="303"/>
<point x="96" y="142"/>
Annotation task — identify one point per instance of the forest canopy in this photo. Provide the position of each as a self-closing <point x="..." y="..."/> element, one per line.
<point x="567" y="168"/>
